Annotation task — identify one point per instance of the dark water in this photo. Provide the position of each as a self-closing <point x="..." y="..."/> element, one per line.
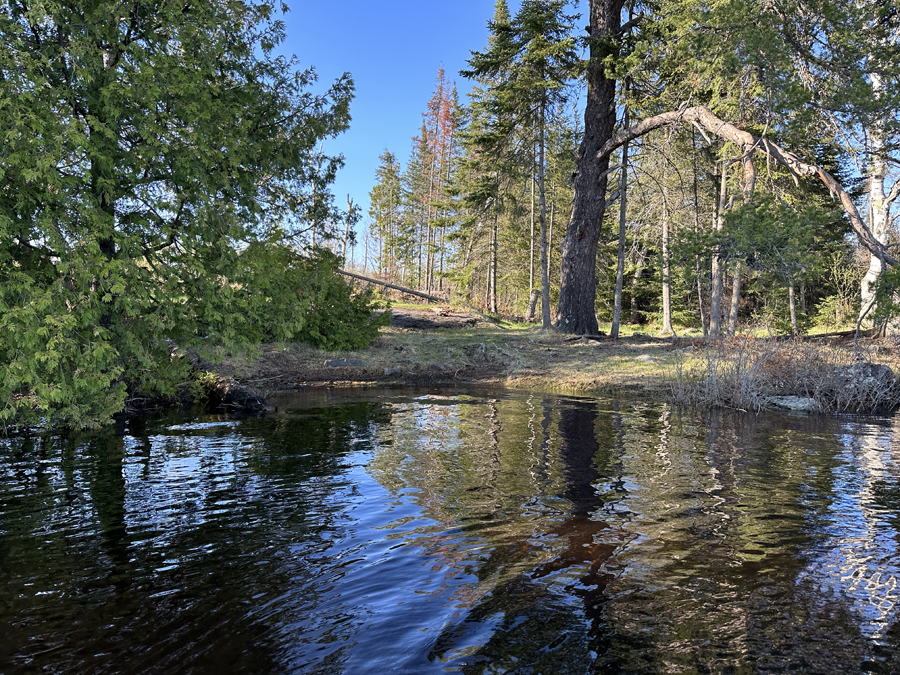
<point x="444" y="531"/>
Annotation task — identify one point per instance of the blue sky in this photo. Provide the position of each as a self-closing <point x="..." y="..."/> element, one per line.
<point x="393" y="51"/>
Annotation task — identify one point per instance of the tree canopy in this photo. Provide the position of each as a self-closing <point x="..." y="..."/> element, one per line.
<point x="144" y="145"/>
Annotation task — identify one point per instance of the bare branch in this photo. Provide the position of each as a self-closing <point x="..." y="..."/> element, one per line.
<point x="895" y="192"/>
<point x="612" y="200"/>
<point x="744" y="139"/>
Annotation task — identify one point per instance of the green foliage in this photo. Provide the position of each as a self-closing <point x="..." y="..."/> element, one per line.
<point x="141" y="149"/>
<point x="386" y="212"/>
<point x="769" y="235"/>
<point x="289" y="297"/>
<point x="887" y="298"/>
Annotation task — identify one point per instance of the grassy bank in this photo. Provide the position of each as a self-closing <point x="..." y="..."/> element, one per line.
<point x="426" y="347"/>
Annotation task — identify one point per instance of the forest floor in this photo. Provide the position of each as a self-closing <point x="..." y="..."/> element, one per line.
<point x="437" y="345"/>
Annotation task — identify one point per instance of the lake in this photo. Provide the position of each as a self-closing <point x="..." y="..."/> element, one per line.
<point x="454" y="530"/>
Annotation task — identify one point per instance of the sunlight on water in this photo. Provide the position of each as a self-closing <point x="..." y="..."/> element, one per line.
<point x="479" y="531"/>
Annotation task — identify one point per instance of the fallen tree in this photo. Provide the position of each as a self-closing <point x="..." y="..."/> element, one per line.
<point x="402" y="289"/>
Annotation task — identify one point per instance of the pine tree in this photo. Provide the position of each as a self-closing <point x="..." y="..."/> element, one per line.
<point x="386" y="214"/>
<point x="416" y="190"/>
<point x="522" y="73"/>
<point x="489" y="159"/>
<point x="577" y="293"/>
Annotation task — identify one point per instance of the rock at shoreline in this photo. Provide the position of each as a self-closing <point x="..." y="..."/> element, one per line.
<point x="344" y="363"/>
<point x="863" y="387"/>
<point x="866" y="375"/>
<point x="237" y="396"/>
<point x="793" y="403"/>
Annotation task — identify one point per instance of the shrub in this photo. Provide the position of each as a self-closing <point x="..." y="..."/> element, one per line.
<point x="303" y="298"/>
<point x="744" y="373"/>
<point x="76" y="350"/>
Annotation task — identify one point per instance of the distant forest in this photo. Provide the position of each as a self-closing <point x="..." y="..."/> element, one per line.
<point x="695" y="225"/>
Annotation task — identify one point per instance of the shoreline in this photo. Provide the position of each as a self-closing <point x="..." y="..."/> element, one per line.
<point x="439" y="346"/>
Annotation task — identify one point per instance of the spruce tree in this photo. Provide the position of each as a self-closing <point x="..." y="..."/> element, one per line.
<point x="386" y="213"/>
<point x="525" y="67"/>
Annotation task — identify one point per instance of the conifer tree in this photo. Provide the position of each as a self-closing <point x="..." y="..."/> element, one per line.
<point x="144" y="146"/>
<point x="528" y="66"/>
<point x="578" y="277"/>
<point x="386" y="214"/>
<point x="489" y="158"/>
<point x="416" y="190"/>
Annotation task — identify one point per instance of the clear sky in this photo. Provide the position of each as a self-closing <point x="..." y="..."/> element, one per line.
<point x="393" y="51"/>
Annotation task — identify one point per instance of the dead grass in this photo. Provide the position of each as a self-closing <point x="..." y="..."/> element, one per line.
<point x="747" y="373"/>
<point x="524" y="358"/>
<point x="741" y="373"/>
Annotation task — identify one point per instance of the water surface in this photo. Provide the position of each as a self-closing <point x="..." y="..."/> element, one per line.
<point x="432" y="531"/>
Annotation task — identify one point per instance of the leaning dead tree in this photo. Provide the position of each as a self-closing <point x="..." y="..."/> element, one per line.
<point x="750" y="144"/>
<point x="402" y="289"/>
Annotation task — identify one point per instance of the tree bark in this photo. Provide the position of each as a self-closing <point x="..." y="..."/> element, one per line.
<point x="792" y="303"/>
<point x="700" y="299"/>
<point x="532" y="304"/>
<point x="578" y="265"/>
<point x="666" y="264"/>
<point x="531" y="244"/>
<point x="492" y="273"/>
<point x="879" y="204"/>
<point x="735" y="299"/>
<point x="620" y="260"/>
<point x="716" y="289"/>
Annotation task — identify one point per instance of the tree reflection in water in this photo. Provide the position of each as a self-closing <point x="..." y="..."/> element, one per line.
<point x="480" y="531"/>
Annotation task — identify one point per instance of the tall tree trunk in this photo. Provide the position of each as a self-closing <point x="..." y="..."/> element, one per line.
<point x="697" y="230"/>
<point x="716" y="286"/>
<point x="620" y="260"/>
<point x="472" y="233"/>
<point x="531" y="243"/>
<point x="703" y="322"/>
<point x="635" y="283"/>
<point x="441" y="269"/>
<point x="735" y="299"/>
<point x="879" y="203"/>
<point x="748" y="190"/>
<point x="666" y="268"/>
<point x="366" y="254"/>
<point x="578" y="265"/>
<point x="346" y="230"/>
<point x="545" y="268"/>
<point x="493" y="270"/>
<point x="550" y="232"/>
<point x="792" y="303"/>
<point x="419" y="265"/>
<point x="532" y="304"/>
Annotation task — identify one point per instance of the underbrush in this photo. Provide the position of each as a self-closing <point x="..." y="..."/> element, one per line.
<point x="749" y="374"/>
